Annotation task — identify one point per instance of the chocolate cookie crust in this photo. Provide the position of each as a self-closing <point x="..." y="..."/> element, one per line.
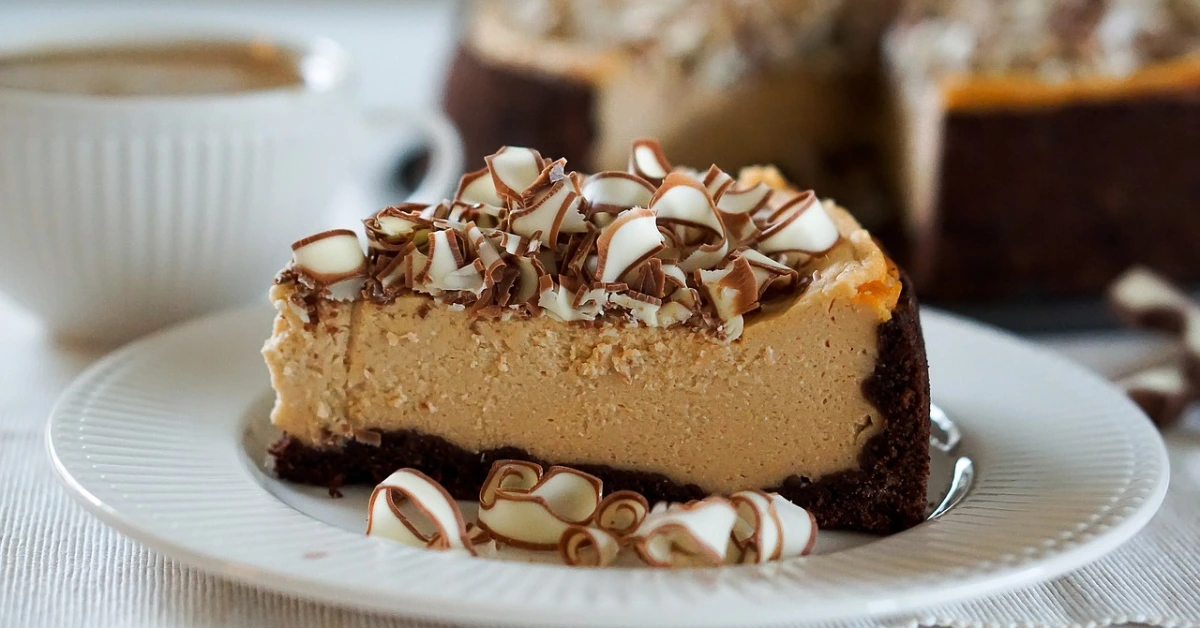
<point x="886" y="494"/>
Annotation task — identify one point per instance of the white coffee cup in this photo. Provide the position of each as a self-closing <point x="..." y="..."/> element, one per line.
<point x="122" y="213"/>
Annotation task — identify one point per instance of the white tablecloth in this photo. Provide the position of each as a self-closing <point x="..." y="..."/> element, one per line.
<point x="61" y="567"/>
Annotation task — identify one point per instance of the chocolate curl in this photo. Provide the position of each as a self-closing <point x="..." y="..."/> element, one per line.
<point x="534" y="515"/>
<point x="468" y="278"/>
<point x="552" y="173"/>
<point x="528" y="282"/>
<point x="691" y="535"/>
<point x="482" y="542"/>
<point x="478" y="188"/>
<point x="646" y="160"/>
<point x="650" y="279"/>
<point x="415" y="265"/>
<point x="770" y="527"/>
<point x="615" y="192"/>
<point x="621" y="513"/>
<point x="460" y="213"/>
<point x="741" y="229"/>
<point x="576" y="252"/>
<point x="681" y="200"/>
<point x="716" y="181"/>
<point x="582" y="546"/>
<point x="747" y="200"/>
<point x="445" y="258"/>
<point x="386" y="519"/>
<point x="1142" y="298"/>
<point x="802" y="225"/>
<point x="673" y="313"/>
<point x="511" y="243"/>
<point x="732" y="290"/>
<point x="673" y="275"/>
<point x="348" y="289"/>
<point x="556" y="211"/>
<point x="559" y="302"/>
<point x="798" y="528"/>
<point x="756" y="533"/>
<point x="630" y="240"/>
<point x="768" y="272"/>
<point x="1163" y="393"/>
<point x="643" y="308"/>
<point x="513" y="170"/>
<point x="392" y="227"/>
<point x="329" y="256"/>
<point x="489" y="257"/>
<point x="685" y="208"/>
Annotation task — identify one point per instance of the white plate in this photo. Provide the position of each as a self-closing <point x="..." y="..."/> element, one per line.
<point x="153" y="440"/>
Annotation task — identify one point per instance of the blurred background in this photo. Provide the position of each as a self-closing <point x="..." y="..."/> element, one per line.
<point x="1013" y="155"/>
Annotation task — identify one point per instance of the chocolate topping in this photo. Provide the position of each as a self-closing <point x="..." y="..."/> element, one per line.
<point x="1143" y="299"/>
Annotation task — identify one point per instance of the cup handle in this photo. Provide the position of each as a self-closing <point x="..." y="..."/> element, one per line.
<point x="396" y="135"/>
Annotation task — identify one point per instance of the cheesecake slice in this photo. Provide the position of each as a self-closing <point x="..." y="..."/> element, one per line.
<point x="674" y="332"/>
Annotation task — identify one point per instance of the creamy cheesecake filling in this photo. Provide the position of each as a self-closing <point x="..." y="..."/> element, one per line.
<point x="675" y="402"/>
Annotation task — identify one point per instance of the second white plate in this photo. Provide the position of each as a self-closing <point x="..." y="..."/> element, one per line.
<point x="153" y="440"/>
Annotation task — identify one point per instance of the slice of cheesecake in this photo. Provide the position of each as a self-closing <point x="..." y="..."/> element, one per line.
<point x="673" y="332"/>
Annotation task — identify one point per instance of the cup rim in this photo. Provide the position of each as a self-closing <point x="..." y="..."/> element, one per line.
<point x="325" y="65"/>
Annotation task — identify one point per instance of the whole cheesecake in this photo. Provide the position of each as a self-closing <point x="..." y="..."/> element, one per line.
<point x="1066" y="130"/>
<point x="673" y="332"/>
<point x="583" y="79"/>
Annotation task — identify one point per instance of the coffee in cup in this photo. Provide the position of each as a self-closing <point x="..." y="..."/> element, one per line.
<point x="169" y="69"/>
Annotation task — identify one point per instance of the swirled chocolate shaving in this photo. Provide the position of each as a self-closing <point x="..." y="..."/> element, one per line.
<point x="655" y="246"/>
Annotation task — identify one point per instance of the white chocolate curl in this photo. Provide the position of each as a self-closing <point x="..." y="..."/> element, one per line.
<point x="561" y="509"/>
<point x="582" y="546"/>
<point x="716" y="181"/>
<point x="744" y="201"/>
<point x="513" y="170"/>
<point x="770" y="527"/>
<point x="557" y="211"/>
<point x="386" y="519"/>
<point x="522" y="507"/>
<point x="1140" y="291"/>
<point x="631" y="239"/>
<point x="614" y="192"/>
<point x="330" y="256"/>
<point x="733" y="290"/>
<point x="646" y="160"/>
<point x="621" y="513"/>
<point x="768" y="271"/>
<point x="695" y="534"/>
<point x="802" y="225"/>
<point x="477" y="188"/>
<point x="683" y="201"/>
